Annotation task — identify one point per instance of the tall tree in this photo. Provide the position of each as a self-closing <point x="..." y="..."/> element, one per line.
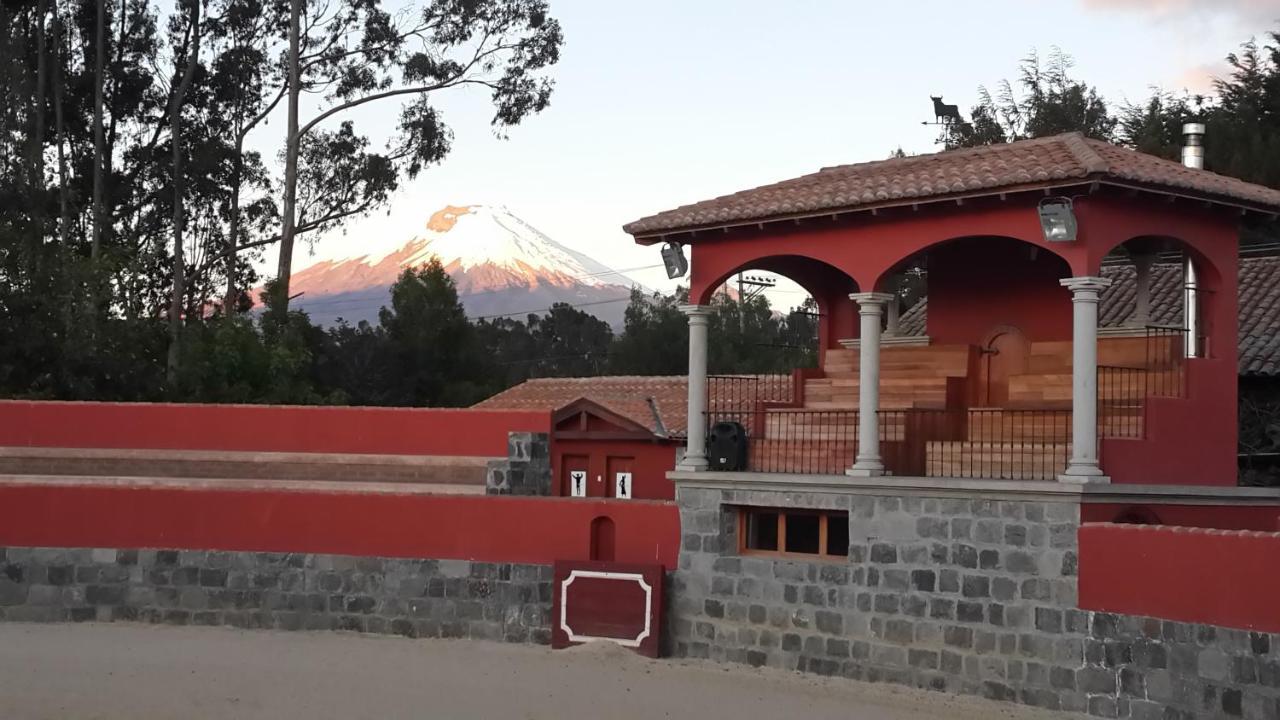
<point x="432" y="349"/>
<point x="360" y="54"/>
<point x="1046" y="101"/>
<point x="176" y="100"/>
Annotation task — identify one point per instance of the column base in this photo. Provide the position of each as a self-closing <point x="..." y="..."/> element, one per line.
<point x="865" y="469"/>
<point x="1084" y="475"/>
<point x="693" y="465"/>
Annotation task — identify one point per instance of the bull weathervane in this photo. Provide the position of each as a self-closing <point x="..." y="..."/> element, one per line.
<point x="944" y="114"/>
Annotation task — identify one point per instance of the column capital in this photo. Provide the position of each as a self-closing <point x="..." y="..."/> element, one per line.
<point x="1085" y="284"/>
<point x="695" y="310"/>
<point x="871" y="298"/>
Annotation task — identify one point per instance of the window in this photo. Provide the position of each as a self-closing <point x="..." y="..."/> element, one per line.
<point x="769" y="531"/>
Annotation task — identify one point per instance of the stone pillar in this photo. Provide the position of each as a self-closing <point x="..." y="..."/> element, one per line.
<point x="1083" y="466"/>
<point x="1142" y="263"/>
<point x="695" y="455"/>
<point x="891" y="317"/>
<point x="870" y="307"/>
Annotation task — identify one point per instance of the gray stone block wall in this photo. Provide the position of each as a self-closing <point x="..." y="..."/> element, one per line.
<point x="961" y="595"/>
<point x="527" y="468"/>
<point x="285" y="591"/>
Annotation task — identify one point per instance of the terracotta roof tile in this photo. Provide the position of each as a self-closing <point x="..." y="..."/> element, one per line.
<point x="1019" y="165"/>
<point x="626" y="395"/>
<point x="1259" y="308"/>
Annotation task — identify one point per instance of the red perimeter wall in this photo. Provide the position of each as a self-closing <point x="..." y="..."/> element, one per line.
<point x="1219" y="577"/>
<point x="264" y="428"/>
<point x="1222" y="517"/>
<point x="481" y="528"/>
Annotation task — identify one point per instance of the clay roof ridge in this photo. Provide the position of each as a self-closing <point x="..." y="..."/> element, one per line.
<point x="1080" y="148"/>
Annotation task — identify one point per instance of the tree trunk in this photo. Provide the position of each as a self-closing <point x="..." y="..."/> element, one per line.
<point x="280" y="306"/>
<point x="64" y="204"/>
<point x="176" y="306"/>
<point x="230" y="303"/>
<point x="100" y="61"/>
<point x="37" y="139"/>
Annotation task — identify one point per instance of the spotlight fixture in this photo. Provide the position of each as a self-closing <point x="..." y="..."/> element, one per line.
<point x="1058" y="219"/>
<point x="673" y="257"/>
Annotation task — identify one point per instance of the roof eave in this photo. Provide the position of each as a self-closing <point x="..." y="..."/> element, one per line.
<point x="1244" y="206"/>
<point x="656" y="236"/>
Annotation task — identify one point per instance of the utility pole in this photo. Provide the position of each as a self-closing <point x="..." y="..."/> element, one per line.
<point x="749" y="288"/>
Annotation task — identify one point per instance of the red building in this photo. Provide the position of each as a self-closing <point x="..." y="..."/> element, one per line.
<point x="610" y="436"/>
<point x="1007" y="377"/>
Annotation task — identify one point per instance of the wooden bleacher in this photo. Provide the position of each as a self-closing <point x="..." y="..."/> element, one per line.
<point x="940" y="431"/>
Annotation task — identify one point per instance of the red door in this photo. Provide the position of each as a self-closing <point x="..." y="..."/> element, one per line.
<point x="1004" y="354"/>
<point x="575" y="477"/>
<point x="618" y="477"/>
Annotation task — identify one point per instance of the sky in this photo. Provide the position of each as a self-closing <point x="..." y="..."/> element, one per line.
<point x="667" y="102"/>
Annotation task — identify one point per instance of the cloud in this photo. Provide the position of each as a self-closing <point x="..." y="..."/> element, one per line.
<point x="1258" y="14"/>
<point x="1198" y="80"/>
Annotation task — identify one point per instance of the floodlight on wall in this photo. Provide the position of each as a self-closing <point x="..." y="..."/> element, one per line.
<point x="673" y="257"/>
<point x="1058" y="219"/>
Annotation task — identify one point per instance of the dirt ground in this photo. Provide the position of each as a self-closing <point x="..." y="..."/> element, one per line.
<point x="75" y="672"/>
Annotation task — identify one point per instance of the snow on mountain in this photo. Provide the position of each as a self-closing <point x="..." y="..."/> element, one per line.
<point x="500" y="264"/>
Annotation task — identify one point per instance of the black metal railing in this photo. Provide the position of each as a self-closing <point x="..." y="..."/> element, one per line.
<point x="988" y="444"/>
<point x="1122" y="393"/>
<point x="1166" y="361"/>
<point x="818" y="442"/>
<point x="741" y="393"/>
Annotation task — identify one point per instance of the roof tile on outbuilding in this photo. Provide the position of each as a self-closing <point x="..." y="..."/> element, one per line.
<point x="1027" y="164"/>
<point x="624" y="395"/>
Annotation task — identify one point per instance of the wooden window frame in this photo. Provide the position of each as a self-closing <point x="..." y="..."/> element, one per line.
<point x="824" y="518"/>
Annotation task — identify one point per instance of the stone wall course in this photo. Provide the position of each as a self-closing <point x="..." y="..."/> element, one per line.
<point x="287" y="591"/>
<point x="975" y="596"/>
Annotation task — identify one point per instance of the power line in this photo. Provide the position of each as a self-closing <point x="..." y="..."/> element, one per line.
<point x="547" y="309"/>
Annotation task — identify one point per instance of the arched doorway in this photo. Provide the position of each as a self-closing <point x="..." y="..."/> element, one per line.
<point x="1003" y="354"/>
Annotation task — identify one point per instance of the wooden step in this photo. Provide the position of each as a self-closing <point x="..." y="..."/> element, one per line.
<point x="1003" y="461"/>
<point x="812" y="457"/>
<point x="999" y="425"/>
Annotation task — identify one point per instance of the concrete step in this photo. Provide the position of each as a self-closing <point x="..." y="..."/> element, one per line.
<point x="326" y="467"/>
<point x="394" y="488"/>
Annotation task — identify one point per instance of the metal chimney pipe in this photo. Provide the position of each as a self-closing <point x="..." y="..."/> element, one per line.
<point x="1192" y="157"/>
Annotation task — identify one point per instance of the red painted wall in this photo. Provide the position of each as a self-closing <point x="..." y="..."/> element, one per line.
<point x="652" y="462"/>
<point x="1189" y="441"/>
<point x="1221" y="517"/>
<point x="977" y="284"/>
<point x="488" y="529"/>
<point x="1216" y="577"/>
<point x="264" y="428"/>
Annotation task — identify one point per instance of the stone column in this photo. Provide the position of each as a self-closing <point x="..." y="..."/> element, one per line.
<point x="870" y="307"/>
<point x="1142" y="263"/>
<point x="695" y="454"/>
<point x="1083" y="466"/>
<point x="891" y="317"/>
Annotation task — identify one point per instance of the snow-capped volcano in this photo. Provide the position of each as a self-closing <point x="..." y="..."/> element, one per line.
<point x="499" y="263"/>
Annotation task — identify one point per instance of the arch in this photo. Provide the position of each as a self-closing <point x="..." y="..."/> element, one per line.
<point x="815" y="276"/>
<point x="603" y="538"/>
<point x="907" y="260"/>
<point x="977" y="283"/>
<point x="1205" y="264"/>
<point x="827" y="284"/>
<point x="1216" y="298"/>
